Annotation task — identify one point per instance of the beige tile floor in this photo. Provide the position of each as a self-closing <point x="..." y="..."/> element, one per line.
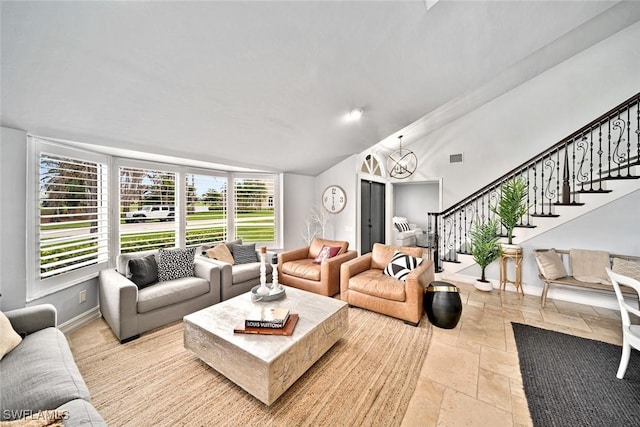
<point x="471" y="376"/>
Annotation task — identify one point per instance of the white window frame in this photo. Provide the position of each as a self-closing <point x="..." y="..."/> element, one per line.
<point x="36" y="287"/>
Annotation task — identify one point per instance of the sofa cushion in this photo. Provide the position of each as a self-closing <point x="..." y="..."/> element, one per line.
<point x="317" y="244"/>
<point x="377" y="284"/>
<point x="401" y="265"/>
<point x="171" y="292"/>
<point x="302" y="268"/>
<point x="81" y="413"/>
<point x="144" y="271"/>
<point x="550" y="264"/>
<point x="175" y="263"/>
<point x="39" y="374"/>
<point x="9" y="338"/>
<point x="245" y="254"/>
<point x="220" y="252"/>
<point x="244" y="272"/>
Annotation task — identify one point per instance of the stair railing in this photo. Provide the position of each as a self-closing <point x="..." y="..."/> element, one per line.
<point x="605" y="149"/>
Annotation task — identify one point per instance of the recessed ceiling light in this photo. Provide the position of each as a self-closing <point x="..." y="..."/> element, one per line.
<point x="354" y="115"/>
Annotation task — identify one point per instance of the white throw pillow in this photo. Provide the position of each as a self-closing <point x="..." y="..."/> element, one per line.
<point x="9" y="339"/>
<point x="550" y="264"/>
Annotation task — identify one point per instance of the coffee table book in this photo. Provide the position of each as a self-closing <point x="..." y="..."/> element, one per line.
<point x="287" y="330"/>
<point x="267" y="317"/>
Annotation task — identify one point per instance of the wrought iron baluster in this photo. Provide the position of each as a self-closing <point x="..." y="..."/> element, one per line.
<point x="558" y="176"/>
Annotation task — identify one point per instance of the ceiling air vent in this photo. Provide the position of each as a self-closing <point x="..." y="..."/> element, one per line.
<point x="455" y="158"/>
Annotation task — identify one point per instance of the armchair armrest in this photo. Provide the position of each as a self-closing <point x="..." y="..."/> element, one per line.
<point x="415" y="285"/>
<point x="350" y="269"/>
<point x="330" y="268"/>
<point x="119" y="303"/>
<point x="293" y="255"/>
<point x="209" y="271"/>
<point x="28" y="320"/>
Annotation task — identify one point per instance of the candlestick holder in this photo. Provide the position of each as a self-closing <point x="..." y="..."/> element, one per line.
<point x="263" y="289"/>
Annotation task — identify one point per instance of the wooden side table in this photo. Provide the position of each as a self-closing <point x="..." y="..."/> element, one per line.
<point x="516" y="256"/>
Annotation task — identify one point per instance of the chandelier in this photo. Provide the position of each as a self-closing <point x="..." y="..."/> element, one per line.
<point x="402" y="163"/>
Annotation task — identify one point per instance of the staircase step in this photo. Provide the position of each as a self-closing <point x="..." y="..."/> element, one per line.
<point x="568" y="204"/>
<point x="593" y="191"/>
<point x="545" y="215"/>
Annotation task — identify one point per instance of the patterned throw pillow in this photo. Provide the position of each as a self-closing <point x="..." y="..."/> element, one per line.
<point x="627" y="267"/>
<point x="325" y="253"/>
<point x="175" y="263"/>
<point x="144" y="271"/>
<point x="401" y="223"/>
<point x="401" y="265"/>
<point x="244" y="254"/>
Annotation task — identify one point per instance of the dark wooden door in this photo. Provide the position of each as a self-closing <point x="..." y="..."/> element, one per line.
<point x="372" y="218"/>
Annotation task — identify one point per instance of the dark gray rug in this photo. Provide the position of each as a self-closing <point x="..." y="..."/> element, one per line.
<point x="571" y="381"/>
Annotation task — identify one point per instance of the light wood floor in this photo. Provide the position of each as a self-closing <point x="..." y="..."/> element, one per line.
<point x="471" y="375"/>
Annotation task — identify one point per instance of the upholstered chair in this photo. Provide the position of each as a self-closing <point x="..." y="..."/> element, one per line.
<point x="302" y="269"/>
<point x="364" y="284"/>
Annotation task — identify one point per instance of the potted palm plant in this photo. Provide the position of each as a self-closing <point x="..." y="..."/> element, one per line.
<point x="485" y="248"/>
<point x="512" y="205"/>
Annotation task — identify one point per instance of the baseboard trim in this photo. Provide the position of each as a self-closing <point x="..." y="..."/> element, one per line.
<point x="591" y="297"/>
<point x="80" y="320"/>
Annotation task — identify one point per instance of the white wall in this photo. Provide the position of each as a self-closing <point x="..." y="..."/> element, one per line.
<point x="13" y="175"/>
<point x="341" y="226"/>
<point x="414" y="200"/>
<point x="299" y="196"/>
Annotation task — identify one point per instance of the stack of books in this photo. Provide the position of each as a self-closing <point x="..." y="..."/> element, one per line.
<point x="268" y="321"/>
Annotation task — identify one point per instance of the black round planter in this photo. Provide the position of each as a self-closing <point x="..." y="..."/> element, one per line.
<point x="442" y="304"/>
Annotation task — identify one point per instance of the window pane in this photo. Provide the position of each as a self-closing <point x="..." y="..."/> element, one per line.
<point x="255" y="209"/>
<point x="72" y="214"/>
<point x="147" y="209"/>
<point x="206" y="209"/>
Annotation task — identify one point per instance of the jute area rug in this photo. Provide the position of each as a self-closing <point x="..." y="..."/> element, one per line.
<point x="571" y="381"/>
<point x="367" y="378"/>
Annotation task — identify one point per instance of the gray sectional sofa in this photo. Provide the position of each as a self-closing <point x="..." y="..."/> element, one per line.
<point x="40" y="373"/>
<point x="130" y="310"/>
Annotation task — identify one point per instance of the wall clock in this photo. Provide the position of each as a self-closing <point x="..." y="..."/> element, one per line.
<point x="334" y="199"/>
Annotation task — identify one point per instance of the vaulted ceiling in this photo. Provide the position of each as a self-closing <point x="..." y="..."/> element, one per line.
<point x="266" y="85"/>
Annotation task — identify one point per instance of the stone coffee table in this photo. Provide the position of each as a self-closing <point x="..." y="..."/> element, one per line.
<point x="266" y="365"/>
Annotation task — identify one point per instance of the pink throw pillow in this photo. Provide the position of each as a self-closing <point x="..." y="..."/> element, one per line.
<point x="325" y="253"/>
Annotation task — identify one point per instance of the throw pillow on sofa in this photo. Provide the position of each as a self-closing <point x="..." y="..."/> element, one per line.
<point x="9" y="339"/>
<point x="244" y="254"/>
<point x="326" y="252"/>
<point x="221" y="252"/>
<point x="627" y="267"/>
<point x="175" y="263"/>
<point x="401" y="265"/>
<point x="144" y="271"/>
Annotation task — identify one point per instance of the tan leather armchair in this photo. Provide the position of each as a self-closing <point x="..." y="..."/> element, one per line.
<point x="296" y="267"/>
<point x="363" y="284"/>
